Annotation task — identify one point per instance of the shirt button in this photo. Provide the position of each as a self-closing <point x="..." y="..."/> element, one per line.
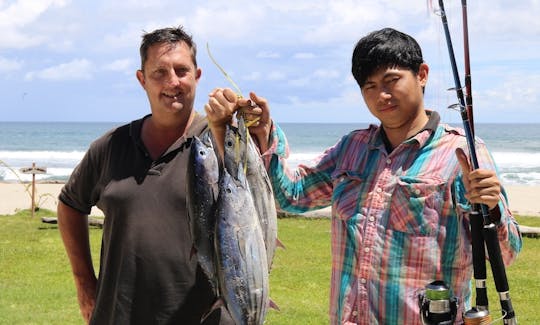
<point x="363" y="281"/>
<point x="366" y="249"/>
<point x="379" y="190"/>
<point x="355" y="313"/>
<point x="371" y="219"/>
<point x="388" y="161"/>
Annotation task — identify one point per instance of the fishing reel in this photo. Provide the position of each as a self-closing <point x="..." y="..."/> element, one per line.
<point x="437" y="306"/>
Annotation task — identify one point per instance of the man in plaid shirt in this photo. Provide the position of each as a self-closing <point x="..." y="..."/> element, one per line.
<point x="400" y="192"/>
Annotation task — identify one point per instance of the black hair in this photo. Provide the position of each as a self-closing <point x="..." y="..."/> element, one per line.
<point x="170" y="35"/>
<point x="383" y="49"/>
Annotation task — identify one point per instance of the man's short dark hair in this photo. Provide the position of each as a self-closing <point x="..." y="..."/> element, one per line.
<point x="170" y="35"/>
<point x="385" y="48"/>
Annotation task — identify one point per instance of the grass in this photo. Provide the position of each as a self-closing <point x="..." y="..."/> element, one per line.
<point x="36" y="286"/>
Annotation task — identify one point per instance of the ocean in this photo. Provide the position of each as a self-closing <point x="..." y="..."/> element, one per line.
<point x="59" y="146"/>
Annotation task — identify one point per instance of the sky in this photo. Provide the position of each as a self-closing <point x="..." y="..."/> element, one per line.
<point x="63" y="60"/>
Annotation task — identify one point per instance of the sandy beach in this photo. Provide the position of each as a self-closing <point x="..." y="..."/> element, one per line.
<point x="524" y="200"/>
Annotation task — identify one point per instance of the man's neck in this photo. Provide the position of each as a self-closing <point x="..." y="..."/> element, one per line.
<point x="158" y="137"/>
<point x="396" y="136"/>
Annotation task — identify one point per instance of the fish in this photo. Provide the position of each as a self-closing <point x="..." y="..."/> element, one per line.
<point x="235" y="148"/>
<point x="240" y="148"/>
<point x="202" y="193"/>
<point x="241" y="254"/>
<point x="262" y="193"/>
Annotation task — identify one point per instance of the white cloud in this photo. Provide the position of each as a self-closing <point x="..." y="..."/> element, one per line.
<point x="515" y="90"/>
<point x="268" y="55"/>
<point x="291" y="48"/>
<point x="78" y="69"/>
<point x="317" y="76"/>
<point x="16" y="17"/>
<point x="304" y="55"/>
<point x="126" y="38"/>
<point x="121" y="65"/>
<point x="252" y="76"/>
<point x="276" y="76"/>
<point x="10" y="65"/>
<point x="326" y="74"/>
<point x="223" y="21"/>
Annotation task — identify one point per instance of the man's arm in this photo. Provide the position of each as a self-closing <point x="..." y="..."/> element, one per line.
<point x="73" y="226"/>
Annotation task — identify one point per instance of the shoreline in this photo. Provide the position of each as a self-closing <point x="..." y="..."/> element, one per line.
<point x="16" y="196"/>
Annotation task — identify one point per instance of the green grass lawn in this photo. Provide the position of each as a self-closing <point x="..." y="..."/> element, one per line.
<point x="36" y="286"/>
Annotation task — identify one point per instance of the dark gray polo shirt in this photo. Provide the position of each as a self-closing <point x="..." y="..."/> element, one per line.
<point x="147" y="274"/>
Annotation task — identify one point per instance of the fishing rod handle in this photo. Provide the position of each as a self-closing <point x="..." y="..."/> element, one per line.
<point x="479" y="258"/>
<point x="497" y="267"/>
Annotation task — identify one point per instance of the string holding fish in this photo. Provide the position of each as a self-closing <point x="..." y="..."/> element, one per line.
<point x="240" y="114"/>
<point x="234" y="85"/>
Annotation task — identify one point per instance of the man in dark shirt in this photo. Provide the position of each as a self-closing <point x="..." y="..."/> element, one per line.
<point x="136" y="174"/>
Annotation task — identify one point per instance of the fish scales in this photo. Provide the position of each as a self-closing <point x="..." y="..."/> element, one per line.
<point x="202" y="192"/>
<point x="262" y="193"/>
<point x="241" y="253"/>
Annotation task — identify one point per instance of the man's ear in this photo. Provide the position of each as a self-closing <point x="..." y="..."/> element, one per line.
<point x="140" y="77"/>
<point x="423" y="73"/>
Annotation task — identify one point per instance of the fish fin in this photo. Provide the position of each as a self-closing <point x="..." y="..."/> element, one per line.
<point x="280" y="244"/>
<point x="273" y="305"/>
<point x="216" y="305"/>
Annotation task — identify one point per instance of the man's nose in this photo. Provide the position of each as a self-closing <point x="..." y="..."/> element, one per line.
<point x="384" y="93"/>
<point x="173" y="80"/>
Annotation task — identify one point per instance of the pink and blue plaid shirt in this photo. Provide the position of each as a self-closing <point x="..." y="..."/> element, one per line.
<point x="399" y="220"/>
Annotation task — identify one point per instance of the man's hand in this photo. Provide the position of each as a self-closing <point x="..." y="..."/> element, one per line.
<point x="222" y="103"/>
<point x="482" y="185"/>
<point x="86" y="295"/>
<point x="257" y="109"/>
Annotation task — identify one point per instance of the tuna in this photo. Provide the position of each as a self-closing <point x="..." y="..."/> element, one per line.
<point x="240" y="249"/>
<point x="202" y="192"/>
<point x="262" y="193"/>
<point x="233" y="222"/>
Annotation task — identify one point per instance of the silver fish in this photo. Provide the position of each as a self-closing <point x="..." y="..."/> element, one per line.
<point x="241" y="255"/>
<point x="202" y="192"/>
<point x="262" y="193"/>
<point x="235" y="148"/>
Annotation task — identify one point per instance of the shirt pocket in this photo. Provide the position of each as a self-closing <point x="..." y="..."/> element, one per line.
<point x="417" y="205"/>
<point x="347" y="193"/>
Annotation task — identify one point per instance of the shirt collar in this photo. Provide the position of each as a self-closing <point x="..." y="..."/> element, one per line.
<point x="431" y="125"/>
<point x="197" y="126"/>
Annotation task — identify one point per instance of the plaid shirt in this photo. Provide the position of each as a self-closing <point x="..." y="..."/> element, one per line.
<point x="399" y="220"/>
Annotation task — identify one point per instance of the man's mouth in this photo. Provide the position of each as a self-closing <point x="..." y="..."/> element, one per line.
<point x="172" y="96"/>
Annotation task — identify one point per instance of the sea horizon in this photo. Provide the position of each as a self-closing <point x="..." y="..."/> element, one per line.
<point x="59" y="146"/>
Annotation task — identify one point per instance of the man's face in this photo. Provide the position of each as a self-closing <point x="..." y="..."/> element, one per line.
<point x="394" y="95"/>
<point x="170" y="79"/>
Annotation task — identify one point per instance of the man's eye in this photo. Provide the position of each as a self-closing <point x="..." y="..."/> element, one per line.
<point x="369" y="87"/>
<point x="159" y="73"/>
<point x="181" y="72"/>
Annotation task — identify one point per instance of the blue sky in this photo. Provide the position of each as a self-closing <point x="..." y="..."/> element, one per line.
<point x="63" y="60"/>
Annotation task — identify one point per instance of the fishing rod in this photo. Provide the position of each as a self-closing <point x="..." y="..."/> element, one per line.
<point x="477" y="237"/>
<point x="489" y="232"/>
